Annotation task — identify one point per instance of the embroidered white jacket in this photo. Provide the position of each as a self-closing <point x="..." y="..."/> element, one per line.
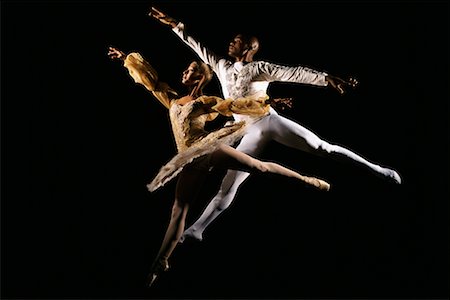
<point x="240" y="80"/>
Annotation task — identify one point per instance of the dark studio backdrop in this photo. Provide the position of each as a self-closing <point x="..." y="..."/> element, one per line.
<point x="80" y="141"/>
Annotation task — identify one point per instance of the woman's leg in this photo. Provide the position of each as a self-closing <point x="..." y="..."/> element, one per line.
<point x="188" y="185"/>
<point x="226" y="157"/>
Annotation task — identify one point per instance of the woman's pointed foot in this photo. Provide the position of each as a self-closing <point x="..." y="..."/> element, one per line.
<point x="318" y="183"/>
<point x="160" y="266"/>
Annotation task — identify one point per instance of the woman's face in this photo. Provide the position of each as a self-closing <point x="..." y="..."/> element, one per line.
<point x="191" y="75"/>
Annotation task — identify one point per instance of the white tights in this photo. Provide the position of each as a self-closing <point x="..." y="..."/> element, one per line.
<point x="286" y="132"/>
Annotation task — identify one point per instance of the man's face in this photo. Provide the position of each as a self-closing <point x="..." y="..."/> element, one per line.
<point x="191" y="75"/>
<point x="237" y="47"/>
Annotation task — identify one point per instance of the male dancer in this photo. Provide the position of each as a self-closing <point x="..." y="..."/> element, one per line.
<point x="242" y="76"/>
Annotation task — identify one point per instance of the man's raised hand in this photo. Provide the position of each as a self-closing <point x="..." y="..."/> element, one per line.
<point x="162" y="17"/>
<point x="339" y="84"/>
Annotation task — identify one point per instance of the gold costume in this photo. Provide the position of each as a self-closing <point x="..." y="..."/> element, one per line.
<point x="188" y="120"/>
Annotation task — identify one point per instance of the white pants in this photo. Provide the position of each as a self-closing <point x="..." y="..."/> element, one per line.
<point x="284" y="131"/>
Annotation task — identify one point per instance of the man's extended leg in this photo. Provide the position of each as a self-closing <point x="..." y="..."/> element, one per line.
<point x="294" y="135"/>
<point x="228" y="189"/>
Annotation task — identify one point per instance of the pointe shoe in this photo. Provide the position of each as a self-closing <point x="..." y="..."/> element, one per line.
<point x="323" y="185"/>
<point x="160" y="266"/>
<point x="318" y="183"/>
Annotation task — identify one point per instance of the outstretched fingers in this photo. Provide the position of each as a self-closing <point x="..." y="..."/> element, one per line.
<point x="157" y="14"/>
<point x="115" y="53"/>
<point x="340" y="84"/>
<point x="162" y="17"/>
<point x="352" y="82"/>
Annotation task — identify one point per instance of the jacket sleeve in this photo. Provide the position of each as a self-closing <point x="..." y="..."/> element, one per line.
<point x="298" y="74"/>
<point x="143" y="73"/>
<point x="205" y="54"/>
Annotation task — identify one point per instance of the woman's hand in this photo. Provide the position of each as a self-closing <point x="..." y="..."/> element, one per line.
<point x="280" y="103"/>
<point x="115" y="53"/>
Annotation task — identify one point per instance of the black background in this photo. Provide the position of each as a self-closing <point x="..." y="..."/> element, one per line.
<point x="80" y="141"/>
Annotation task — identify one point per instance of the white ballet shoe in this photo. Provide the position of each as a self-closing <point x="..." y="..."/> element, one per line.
<point x="393" y="176"/>
<point x="191" y="234"/>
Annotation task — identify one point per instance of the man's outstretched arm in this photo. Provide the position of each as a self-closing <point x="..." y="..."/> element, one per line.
<point x="203" y="53"/>
<point x="305" y="75"/>
<point x="162" y="17"/>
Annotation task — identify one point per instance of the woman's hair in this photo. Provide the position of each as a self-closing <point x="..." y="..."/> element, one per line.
<point x="207" y="74"/>
<point x="205" y="70"/>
